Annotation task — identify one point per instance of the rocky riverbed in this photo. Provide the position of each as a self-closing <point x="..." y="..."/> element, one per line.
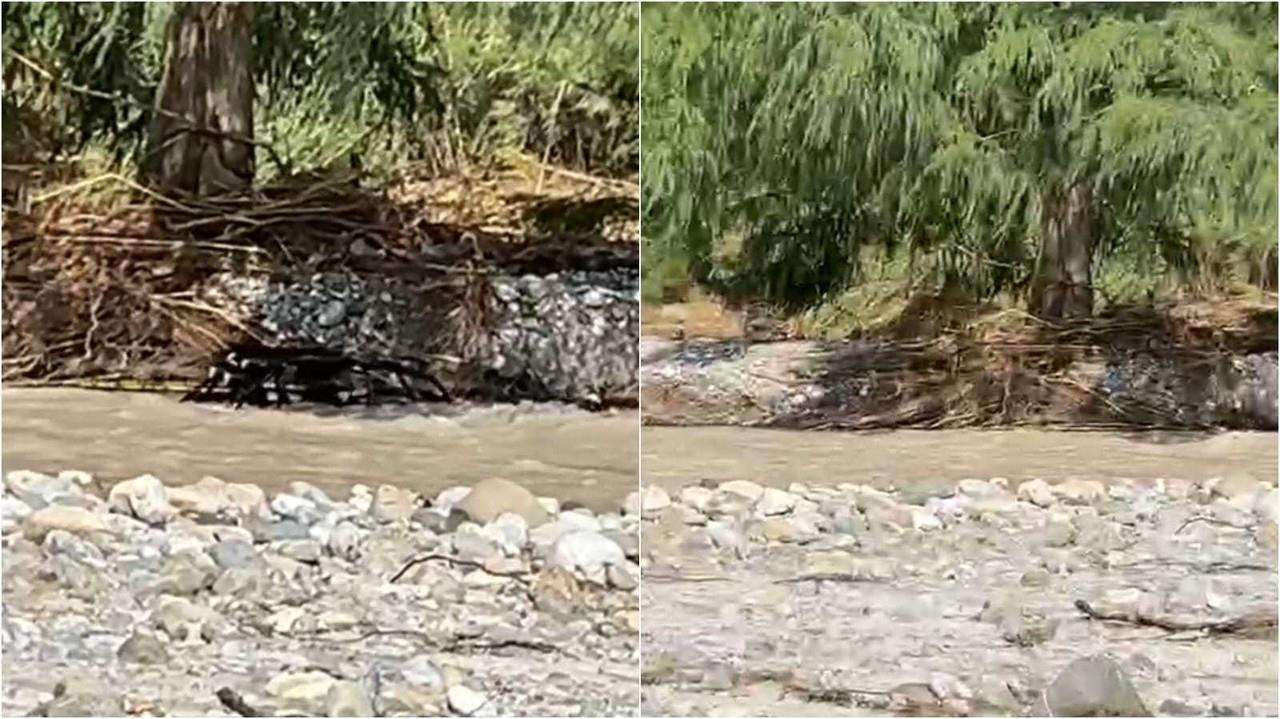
<point x="213" y="599"/>
<point x="983" y="597"/>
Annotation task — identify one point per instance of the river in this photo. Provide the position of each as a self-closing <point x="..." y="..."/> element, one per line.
<point x="677" y="456"/>
<point x="564" y="453"/>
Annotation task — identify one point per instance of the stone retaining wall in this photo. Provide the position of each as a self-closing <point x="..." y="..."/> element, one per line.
<point x="567" y="335"/>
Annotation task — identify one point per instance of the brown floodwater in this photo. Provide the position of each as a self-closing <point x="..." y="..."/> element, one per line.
<point x="674" y="457"/>
<point x="588" y="458"/>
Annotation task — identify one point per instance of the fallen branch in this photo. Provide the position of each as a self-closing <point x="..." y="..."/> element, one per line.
<point x="1254" y="621"/>
<point x="453" y="561"/>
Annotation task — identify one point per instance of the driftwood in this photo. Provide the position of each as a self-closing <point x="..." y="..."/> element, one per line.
<point x="1260" y="621"/>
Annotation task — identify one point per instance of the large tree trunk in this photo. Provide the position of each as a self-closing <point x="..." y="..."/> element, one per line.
<point x="203" y="136"/>
<point x="1062" y="287"/>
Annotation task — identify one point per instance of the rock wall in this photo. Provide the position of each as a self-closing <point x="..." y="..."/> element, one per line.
<point x="567" y="335"/>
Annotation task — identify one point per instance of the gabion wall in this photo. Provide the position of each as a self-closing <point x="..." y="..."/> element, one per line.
<point x="572" y="335"/>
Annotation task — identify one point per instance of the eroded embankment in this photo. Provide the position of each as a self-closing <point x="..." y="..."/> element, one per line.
<point x="542" y="304"/>
<point x="866" y="384"/>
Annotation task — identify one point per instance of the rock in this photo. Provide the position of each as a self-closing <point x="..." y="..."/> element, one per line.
<point x="403" y="701"/>
<point x="585" y="551"/>
<point x="1178" y="708"/>
<point x="392" y="504"/>
<point x="208" y="496"/>
<point x="623" y="577"/>
<point x="1036" y="492"/>
<point x="439" y="522"/>
<point x="423" y="674"/>
<point x="233" y="554"/>
<point x="578" y="521"/>
<point x="37" y="490"/>
<point x="143" y="497"/>
<point x="492" y="498"/>
<point x="84" y="696"/>
<point x="1094" y="686"/>
<point x="923" y="520"/>
<point x="450" y="498"/>
<point x="510" y="531"/>
<point x="741" y="487"/>
<point x="344" y="541"/>
<point x="696" y="497"/>
<point x="1080" y="491"/>
<point x="12" y="512"/>
<point x="774" y="502"/>
<point x="556" y="591"/>
<point x="306" y="691"/>
<point x="471" y="544"/>
<point x="299" y="509"/>
<point x="348" y="699"/>
<point x="143" y="648"/>
<point x="653" y="499"/>
<point x="981" y="488"/>
<point x="307" y="551"/>
<point x="69" y="519"/>
<point x="1266" y="505"/>
<point x="58" y="542"/>
<point x="465" y="701"/>
<point x="248" y="500"/>
<point x="183" y="620"/>
<point x="632" y="505"/>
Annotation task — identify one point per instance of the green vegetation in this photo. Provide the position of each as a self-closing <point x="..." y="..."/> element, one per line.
<point x="1065" y="155"/>
<point x="441" y="84"/>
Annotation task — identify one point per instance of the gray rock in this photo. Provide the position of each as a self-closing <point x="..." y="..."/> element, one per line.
<point x="233" y="554"/>
<point x="184" y="620"/>
<point x="143" y="648"/>
<point x="471" y="543"/>
<point x="307" y="551"/>
<point x="12" y="513"/>
<point x="37" y="490"/>
<point x="1094" y="686"/>
<point x="84" y="696"/>
<point x="420" y="672"/>
<point x="439" y="522"/>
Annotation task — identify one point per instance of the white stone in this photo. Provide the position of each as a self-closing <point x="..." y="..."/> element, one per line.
<point x="465" y="701"/>
<point x="1037" y="492"/>
<point x="653" y="499"/>
<point x="774" y="502"/>
<point x="12" y="512"/>
<point x="585" y="551"/>
<point x="743" y="488"/>
<point x="697" y="497"/>
<point x="451" y="496"/>
<point x="510" y="531"/>
<point x="923" y="520"/>
<point x="578" y="521"/>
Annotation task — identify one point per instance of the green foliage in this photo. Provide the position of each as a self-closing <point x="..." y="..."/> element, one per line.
<point x="782" y="140"/>
<point x="392" y="83"/>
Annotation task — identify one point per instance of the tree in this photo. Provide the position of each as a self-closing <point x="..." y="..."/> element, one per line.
<point x="1017" y="146"/>
<point x="202" y="140"/>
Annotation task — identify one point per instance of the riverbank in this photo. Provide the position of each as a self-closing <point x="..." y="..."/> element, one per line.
<point x="981" y="597"/>
<point x="220" y="598"/>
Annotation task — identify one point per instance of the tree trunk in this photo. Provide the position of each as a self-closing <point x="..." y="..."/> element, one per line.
<point x="1062" y="287"/>
<point x="202" y="141"/>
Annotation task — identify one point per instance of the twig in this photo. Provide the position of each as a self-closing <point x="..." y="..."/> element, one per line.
<point x="1206" y="520"/>
<point x="454" y="561"/>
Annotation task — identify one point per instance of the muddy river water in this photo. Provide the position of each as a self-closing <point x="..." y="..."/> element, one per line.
<point x="563" y="453"/>
<point x="921" y="459"/>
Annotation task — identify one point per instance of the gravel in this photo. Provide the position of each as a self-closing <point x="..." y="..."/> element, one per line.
<point x="844" y="599"/>
<point x="156" y="598"/>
